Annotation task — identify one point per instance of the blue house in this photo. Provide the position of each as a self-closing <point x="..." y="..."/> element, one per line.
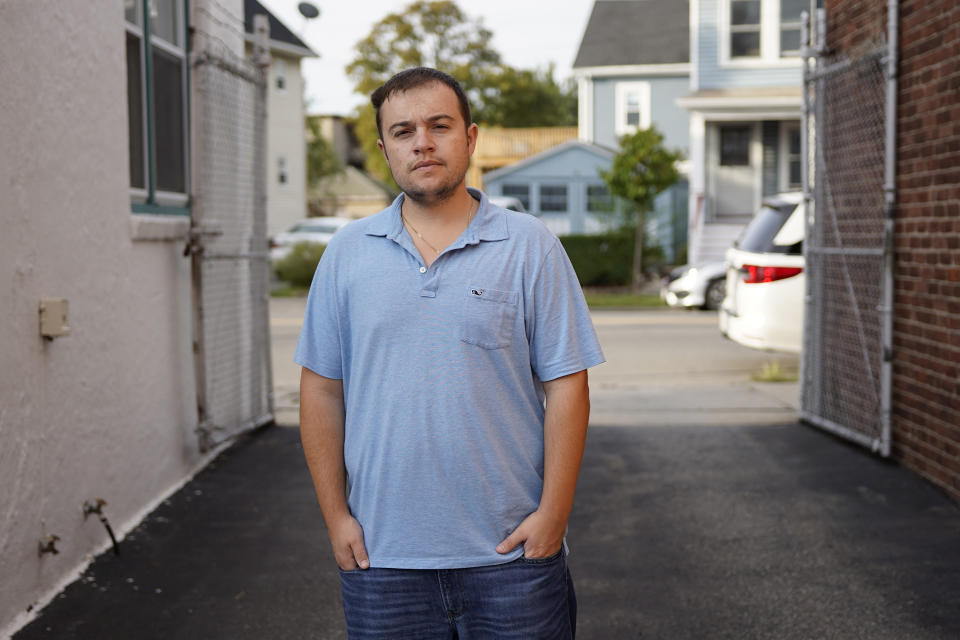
<point x="632" y="66"/>
<point x="744" y="105"/>
<point x="561" y="186"/>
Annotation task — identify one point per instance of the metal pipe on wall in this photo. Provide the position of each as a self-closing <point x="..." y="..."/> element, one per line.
<point x="890" y="201"/>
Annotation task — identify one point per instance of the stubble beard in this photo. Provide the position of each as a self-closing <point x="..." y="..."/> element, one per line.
<point x="428" y="197"/>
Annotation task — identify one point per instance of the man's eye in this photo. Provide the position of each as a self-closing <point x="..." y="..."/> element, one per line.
<point x="401" y="133"/>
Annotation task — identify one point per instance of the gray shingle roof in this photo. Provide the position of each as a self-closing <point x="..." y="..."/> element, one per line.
<point x="625" y="32"/>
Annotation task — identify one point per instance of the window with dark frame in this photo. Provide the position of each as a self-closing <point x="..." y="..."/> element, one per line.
<point x="280" y="69"/>
<point x="735" y="145"/>
<point x="156" y="102"/>
<point x="519" y="191"/>
<point x="553" y="198"/>
<point x="794" y="159"/>
<point x="599" y="199"/>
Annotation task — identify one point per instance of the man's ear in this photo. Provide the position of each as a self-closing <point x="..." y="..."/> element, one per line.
<point x="472" y="132"/>
<point x="383" y="150"/>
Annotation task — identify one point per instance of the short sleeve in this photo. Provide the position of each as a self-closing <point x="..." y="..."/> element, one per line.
<point x="561" y="334"/>
<point x="319" y="346"/>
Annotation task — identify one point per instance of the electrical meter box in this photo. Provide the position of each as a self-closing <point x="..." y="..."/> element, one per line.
<point x="53" y="318"/>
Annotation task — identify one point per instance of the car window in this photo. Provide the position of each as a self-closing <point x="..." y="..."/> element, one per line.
<point x="759" y="236"/>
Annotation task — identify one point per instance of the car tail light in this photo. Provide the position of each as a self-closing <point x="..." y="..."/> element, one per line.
<point x="274" y="244"/>
<point x="754" y="274"/>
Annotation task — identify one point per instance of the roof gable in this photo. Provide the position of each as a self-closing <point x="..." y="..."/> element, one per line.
<point x="545" y="161"/>
<point x="636" y="32"/>
<point x="278" y="31"/>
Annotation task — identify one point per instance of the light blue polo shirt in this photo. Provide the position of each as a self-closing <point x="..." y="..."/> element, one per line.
<point x="442" y="371"/>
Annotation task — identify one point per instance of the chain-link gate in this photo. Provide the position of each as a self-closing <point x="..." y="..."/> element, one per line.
<point x="229" y="244"/>
<point x="846" y="350"/>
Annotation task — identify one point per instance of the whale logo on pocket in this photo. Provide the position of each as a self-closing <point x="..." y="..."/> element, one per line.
<point x="476" y="292"/>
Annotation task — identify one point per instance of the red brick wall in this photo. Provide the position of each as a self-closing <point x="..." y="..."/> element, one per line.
<point x="926" y="373"/>
<point x="926" y="386"/>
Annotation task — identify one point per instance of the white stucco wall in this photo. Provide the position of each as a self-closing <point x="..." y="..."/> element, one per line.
<point x="286" y="204"/>
<point x="109" y="410"/>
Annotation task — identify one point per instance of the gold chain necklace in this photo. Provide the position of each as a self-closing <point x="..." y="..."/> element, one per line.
<point x="424" y="240"/>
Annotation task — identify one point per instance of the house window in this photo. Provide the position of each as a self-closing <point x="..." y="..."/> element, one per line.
<point x="744" y="28"/>
<point x="599" y="199"/>
<point x="735" y="145"/>
<point x="280" y="77"/>
<point x="553" y="198"/>
<point x="760" y="30"/>
<point x="632" y="107"/>
<point x="519" y="191"/>
<point x="283" y="176"/>
<point x="790" y="11"/>
<point x="156" y="104"/>
<point x="791" y="159"/>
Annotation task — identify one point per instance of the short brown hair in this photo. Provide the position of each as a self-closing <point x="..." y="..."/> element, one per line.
<point x="417" y="77"/>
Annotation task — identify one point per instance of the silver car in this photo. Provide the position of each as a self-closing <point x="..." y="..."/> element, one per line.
<point x="695" y="285"/>
<point x="317" y="230"/>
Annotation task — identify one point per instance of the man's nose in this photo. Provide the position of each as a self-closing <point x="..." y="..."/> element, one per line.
<point x="423" y="141"/>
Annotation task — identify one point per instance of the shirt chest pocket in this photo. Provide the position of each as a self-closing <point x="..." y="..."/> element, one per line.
<point x="487" y="317"/>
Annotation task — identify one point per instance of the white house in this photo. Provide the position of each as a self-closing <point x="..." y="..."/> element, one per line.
<point x="286" y="162"/>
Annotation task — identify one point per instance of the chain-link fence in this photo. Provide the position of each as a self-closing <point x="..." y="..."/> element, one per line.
<point x="843" y="349"/>
<point x="230" y="259"/>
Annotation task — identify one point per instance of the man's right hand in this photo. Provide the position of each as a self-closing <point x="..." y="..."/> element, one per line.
<point x="346" y="538"/>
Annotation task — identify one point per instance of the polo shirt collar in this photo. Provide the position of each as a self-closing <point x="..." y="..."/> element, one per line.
<point x="489" y="223"/>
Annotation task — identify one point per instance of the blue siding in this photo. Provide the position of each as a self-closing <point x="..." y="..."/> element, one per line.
<point x="667" y="223"/>
<point x="575" y="167"/>
<point x="713" y="76"/>
<point x="672" y="121"/>
<point x="604" y="110"/>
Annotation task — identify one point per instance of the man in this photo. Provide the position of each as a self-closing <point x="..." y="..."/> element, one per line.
<point x="443" y="398"/>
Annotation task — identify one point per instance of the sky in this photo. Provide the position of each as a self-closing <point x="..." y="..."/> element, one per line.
<point x="527" y="33"/>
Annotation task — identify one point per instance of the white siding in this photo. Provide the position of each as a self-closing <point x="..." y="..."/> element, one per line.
<point x="286" y="203"/>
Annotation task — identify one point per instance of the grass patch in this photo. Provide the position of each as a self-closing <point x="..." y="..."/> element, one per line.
<point x="773" y="372"/>
<point x="289" y="291"/>
<point x="622" y="300"/>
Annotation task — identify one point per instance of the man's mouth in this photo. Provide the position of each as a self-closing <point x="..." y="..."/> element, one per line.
<point x="426" y="163"/>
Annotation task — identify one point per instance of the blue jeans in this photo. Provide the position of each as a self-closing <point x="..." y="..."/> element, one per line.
<point x="526" y="598"/>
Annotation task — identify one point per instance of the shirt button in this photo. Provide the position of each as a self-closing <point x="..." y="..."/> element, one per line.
<point x="423" y="269"/>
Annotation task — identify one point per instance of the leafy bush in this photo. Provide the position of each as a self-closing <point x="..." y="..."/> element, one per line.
<point x="298" y="266"/>
<point x="601" y="261"/>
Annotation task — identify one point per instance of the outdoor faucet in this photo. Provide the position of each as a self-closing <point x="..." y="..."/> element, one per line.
<point x="48" y="544"/>
<point x="97" y="508"/>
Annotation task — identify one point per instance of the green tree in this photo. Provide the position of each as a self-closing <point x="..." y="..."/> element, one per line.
<point x="528" y="98"/>
<point x="431" y="34"/>
<point x="322" y="160"/>
<point x="641" y="169"/>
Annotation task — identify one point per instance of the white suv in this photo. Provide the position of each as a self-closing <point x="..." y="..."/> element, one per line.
<point x="763" y="307"/>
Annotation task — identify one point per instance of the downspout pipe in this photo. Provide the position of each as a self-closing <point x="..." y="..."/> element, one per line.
<point x="806" y="52"/>
<point x="890" y="207"/>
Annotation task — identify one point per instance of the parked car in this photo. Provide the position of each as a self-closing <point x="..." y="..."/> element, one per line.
<point x="695" y="285"/>
<point x="763" y="307"/>
<point x="508" y="202"/>
<point x="318" y="230"/>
